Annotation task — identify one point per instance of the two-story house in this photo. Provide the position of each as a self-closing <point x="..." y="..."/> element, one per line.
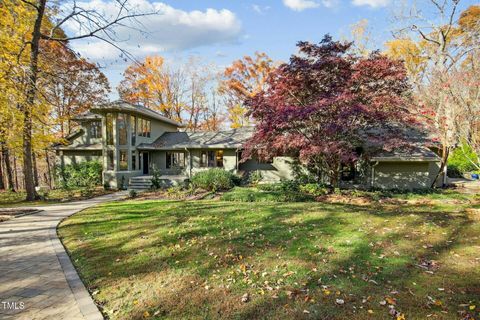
<point x="131" y="141"/>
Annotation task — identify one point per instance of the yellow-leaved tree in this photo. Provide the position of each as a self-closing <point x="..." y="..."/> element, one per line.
<point x="243" y="79"/>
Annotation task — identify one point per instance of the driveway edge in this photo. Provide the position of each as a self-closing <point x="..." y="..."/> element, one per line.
<point x="85" y="303"/>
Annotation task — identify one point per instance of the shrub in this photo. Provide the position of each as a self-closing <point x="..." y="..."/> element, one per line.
<point x="214" y="180"/>
<point x="460" y="161"/>
<point x="156" y="181"/>
<point x="255" y="177"/>
<point x="289" y="186"/>
<point x="132" y="193"/>
<point x="314" y="189"/>
<point x="86" y="174"/>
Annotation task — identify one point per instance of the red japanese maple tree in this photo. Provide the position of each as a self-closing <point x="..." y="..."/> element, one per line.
<point x="326" y="103"/>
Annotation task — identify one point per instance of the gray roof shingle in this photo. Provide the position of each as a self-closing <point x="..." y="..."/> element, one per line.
<point x="414" y="153"/>
<point x="230" y="139"/>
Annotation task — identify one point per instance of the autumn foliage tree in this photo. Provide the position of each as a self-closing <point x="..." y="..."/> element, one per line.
<point x="242" y="80"/>
<point x="71" y="84"/>
<point x="326" y="103"/>
<point x="179" y="93"/>
<point x="435" y="53"/>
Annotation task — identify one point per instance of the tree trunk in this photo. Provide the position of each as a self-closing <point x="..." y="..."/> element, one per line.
<point x="8" y="167"/>
<point x="445" y="154"/>
<point x="49" y="170"/>
<point x="2" y="183"/>
<point x="15" y="172"/>
<point x="29" y="104"/>
<point x="35" y="169"/>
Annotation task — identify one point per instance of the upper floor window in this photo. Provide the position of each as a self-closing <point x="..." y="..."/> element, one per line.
<point x="122" y="128"/>
<point x="95" y="129"/>
<point x="144" y="127"/>
<point x="133" y="130"/>
<point x="109" y="125"/>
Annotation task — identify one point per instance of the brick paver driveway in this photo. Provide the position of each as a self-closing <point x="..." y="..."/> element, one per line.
<point x="37" y="279"/>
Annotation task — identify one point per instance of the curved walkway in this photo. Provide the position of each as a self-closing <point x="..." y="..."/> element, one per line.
<point x="37" y="279"/>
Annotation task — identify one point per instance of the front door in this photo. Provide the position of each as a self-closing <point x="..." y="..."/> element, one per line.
<point x="145" y="163"/>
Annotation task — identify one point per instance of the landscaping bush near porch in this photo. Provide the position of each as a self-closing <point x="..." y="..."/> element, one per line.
<point x="241" y="260"/>
<point x="215" y="180"/>
<point x="86" y="174"/>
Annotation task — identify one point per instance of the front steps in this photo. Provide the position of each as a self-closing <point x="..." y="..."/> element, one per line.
<point x="145" y="182"/>
<point x="140" y="183"/>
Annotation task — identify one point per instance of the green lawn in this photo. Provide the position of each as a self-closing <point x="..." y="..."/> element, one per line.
<point x="197" y="259"/>
<point x="16" y="199"/>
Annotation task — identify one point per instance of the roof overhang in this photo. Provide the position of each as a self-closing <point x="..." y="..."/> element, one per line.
<point x="132" y="109"/>
<point x="213" y="147"/>
<point x="92" y="147"/>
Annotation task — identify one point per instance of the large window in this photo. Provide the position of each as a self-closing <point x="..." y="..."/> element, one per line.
<point x="110" y="160"/>
<point x="122" y="160"/>
<point x="134" y="161"/>
<point x="133" y="130"/>
<point x="95" y="129"/>
<point x="211" y="159"/>
<point x="122" y="129"/>
<point x="175" y="160"/>
<point x="144" y="128"/>
<point x="109" y="124"/>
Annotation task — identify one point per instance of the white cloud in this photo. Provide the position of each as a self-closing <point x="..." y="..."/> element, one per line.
<point x="300" y="5"/>
<point x="170" y="30"/>
<point x="260" y="9"/>
<point x="371" y="3"/>
<point x="330" y="3"/>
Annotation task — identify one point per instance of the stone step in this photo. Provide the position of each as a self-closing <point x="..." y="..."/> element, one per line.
<point x="140" y="183"/>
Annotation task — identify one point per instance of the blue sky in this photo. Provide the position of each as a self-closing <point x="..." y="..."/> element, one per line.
<point x="220" y="31"/>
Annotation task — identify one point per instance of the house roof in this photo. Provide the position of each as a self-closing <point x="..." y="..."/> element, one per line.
<point x="96" y="146"/>
<point x="87" y="116"/>
<point x="75" y="134"/>
<point x="230" y="139"/>
<point x="415" y="153"/>
<point x="126" y="107"/>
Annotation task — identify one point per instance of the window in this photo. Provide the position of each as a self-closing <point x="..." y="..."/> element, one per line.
<point x="203" y="159"/>
<point x="109" y="124"/>
<point x="175" y="160"/>
<point x="110" y="160"/>
<point x="122" y="160"/>
<point x="219" y="158"/>
<point x="134" y="162"/>
<point x="211" y="159"/>
<point x="133" y="130"/>
<point x="122" y="129"/>
<point x="144" y="128"/>
<point x="95" y="129"/>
